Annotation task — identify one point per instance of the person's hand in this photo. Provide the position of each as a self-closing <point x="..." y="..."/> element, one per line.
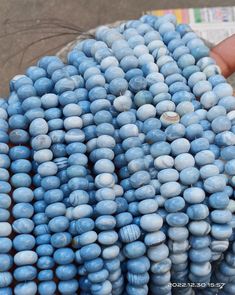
<point x="224" y="54"/>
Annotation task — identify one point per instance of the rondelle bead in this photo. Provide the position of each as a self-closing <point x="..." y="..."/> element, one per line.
<point x="25" y="257"/>
<point x="129" y="233"/>
<point x="138" y="265"/>
<point x="153" y="225"/>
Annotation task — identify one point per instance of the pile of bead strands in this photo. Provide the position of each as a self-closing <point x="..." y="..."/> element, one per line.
<point x="118" y="168"/>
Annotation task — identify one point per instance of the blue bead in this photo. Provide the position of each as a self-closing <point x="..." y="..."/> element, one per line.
<point x="4" y="161"/>
<point x="5" y="201"/>
<point x="66" y="272"/>
<point x="68" y="287"/>
<point x="6" y="262"/>
<point x="58" y="224"/>
<point x="25" y="273"/>
<point x="48" y="287"/>
<point x="63" y="256"/>
<point x="5" y="279"/>
<point x="61" y="239"/>
<point x="23" y="210"/>
<point x="24" y="242"/>
<point x="23" y="225"/>
<point x="45" y="275"/>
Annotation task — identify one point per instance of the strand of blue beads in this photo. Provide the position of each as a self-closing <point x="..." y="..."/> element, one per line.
<point x="80" y="186"/>
<point x="131" y="96"/>
<point x="167" y="175"/>
<point x="45" y="168"/>
<point x="66" y="270"/>
<point x="55" y="170"/>
<point x="110" y="253"/>
<point x="84" y="223"/>
<point x="42" y="156"/>
<point x="6" y="260"/>
<point x="40" y="143"/>
<point x="98" y="276"/>
<point x="82" y="195"/>
<point x="149" y="126"/>
<point x="104" y="140"/>
<point x="220" y="237"/>
<point x="21" y="165"/>
<point x="200" y="242"/>
<point x="129" y="135"/>
<point x="186" y="60"/>
<point x="78" y="198"/>
<point x="104" y="118"/>
<point x="177" y="85"/>
<point x="122" y="104"/>
<point x="193" y="130"/>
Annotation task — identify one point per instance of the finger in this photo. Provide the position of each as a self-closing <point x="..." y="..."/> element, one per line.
<point x="224" y="54"/>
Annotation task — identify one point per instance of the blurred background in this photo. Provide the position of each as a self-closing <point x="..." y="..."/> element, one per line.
<point x="33" y="28"/>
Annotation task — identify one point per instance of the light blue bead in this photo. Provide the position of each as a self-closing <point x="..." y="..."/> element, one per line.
<point x="24" y="242"/>
<point x="58" y="224"/>
<point x="55" y="209"/>
<point x="167" y="175"/>
<point x="139" y="178"/>
<point x="25" y="273"/>
<point x="225" y="138"/>
<point x="204" y="157"/>
<point x="63" y="256"/>
<point x="66" y="272"/>
<point x="229" y="167"/>
<point x="129" y="233"/>
<point x="21" y="166"/>
<point x="47" y="287"/>
<point x="177" y="219"/>
<point x="5" y="201"/>
<point x="123" y="219"/>
<point x="91" y="251"/>
<point x="200" y="255"/>
<point x="26" y="288"/>
<point x="44" y="250"/>
<point x="215" y="112"/>
<point x="221" y="231"/>
<point x="35" y="73"/>
<point x="220" y="124"/>
<point x="197" y="212"/>
<point x="183" y="161"/>
<point x="105" y="222"/>
<point x="174" y="204"/>
<point x="223" y="89"/>
<point x="227" y="102"/>
<point x="138" y="265"/>
<point x="23" y="210"/>
<point x="61" y="239"/>
<point x="94" y="265"/>
<point x="215" y="184"/>
<point x="25" y="257"/>
<point x="6" y="262"/>
<point x="189" y="176"/>
<point x="23" y="225"/>
<point x="209" y="170"/>
<point x="194" y="195"/>
<point x="199" y="144"/>
<point x="5" y="187"/>
<point x="221" y="216"/>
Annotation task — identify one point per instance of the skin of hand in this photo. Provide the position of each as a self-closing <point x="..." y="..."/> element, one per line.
<point x="224" y="54"/>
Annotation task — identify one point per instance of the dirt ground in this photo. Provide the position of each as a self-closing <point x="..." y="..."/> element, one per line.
<point x="33" y="28"/>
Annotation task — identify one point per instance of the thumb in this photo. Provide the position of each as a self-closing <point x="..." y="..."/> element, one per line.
<point x="224" y="54"/>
